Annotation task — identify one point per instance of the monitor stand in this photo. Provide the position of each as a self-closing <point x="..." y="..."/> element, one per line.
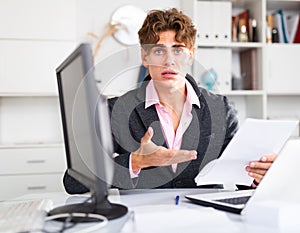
<point x="104" y="208"/>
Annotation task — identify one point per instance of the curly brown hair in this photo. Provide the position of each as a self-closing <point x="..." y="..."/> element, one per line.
<point x="163" y="20"/>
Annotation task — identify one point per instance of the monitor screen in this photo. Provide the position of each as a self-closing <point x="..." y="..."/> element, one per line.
<point x="87" y="133"/>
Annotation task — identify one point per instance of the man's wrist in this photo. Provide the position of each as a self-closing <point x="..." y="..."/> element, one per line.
<point x="133" y="172"/>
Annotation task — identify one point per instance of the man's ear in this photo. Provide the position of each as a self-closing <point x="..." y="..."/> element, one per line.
<point x="144" y="58"/>
<point x="191" y="59"/>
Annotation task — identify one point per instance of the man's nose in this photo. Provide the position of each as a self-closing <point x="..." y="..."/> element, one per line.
<point x="169" y="58"/>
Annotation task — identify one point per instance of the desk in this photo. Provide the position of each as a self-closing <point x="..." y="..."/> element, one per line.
<point x="155" y="211"/>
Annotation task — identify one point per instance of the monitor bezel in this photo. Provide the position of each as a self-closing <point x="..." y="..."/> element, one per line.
<point x="98" y="181"/>
<point x="85" y="52"/>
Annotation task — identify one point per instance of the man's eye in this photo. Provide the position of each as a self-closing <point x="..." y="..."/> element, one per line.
<point x="159" y="51"/>
<point x="178" y="51"/>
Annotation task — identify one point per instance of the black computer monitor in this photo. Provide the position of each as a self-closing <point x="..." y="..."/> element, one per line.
<point x="87" y="134"/>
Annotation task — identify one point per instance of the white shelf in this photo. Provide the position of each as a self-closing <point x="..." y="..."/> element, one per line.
<point x="283" y="94"/>
<point x="28" y="94"/>
<point x="244" y="93"/>
<point x="233" y="45"/>
<point x="31" y="145"/>
<point x="277" y="63"/>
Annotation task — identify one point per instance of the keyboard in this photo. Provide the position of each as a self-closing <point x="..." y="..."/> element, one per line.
<point x="235" y="200"/>
<point x="24" y="215"/>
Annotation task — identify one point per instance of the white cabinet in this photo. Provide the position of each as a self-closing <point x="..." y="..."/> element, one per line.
<point x="276" y="65"/>
<point x="31" y="168"/>
<point x="35" y="37"/>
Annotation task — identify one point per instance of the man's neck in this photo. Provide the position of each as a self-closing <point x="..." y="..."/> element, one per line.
<point x="172" y="98"/>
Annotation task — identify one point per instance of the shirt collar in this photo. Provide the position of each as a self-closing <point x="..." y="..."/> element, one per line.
<point x="152" y="96"/>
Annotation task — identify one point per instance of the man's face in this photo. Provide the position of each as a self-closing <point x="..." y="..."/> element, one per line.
<point x="168" y="61"/>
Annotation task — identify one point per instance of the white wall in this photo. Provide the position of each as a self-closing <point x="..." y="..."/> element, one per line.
<point x="115" y="63"/>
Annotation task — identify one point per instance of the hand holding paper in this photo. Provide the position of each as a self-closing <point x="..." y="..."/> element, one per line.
<point x="255" y="138"/>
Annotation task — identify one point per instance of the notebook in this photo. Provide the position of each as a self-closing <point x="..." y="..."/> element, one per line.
<point x="283" y="173"/>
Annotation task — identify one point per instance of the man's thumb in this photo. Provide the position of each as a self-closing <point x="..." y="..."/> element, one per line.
<point x="148" y="136"/>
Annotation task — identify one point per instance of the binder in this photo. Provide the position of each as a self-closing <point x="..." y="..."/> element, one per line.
<point x="248" y="65"/>
<point x="204" y="21"/>
<point x="221" y="21"/>
<point x="214" y="21"/>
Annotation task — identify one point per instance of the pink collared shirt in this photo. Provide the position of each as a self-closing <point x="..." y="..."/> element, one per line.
<point x="173" y="139"/>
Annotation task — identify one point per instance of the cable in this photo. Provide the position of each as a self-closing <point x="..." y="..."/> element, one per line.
<point x="69" y="216"/>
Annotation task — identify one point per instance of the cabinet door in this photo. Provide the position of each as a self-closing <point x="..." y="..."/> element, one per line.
<point x="283" y="69"/>
<point x="14" y="186"/>
<point x="37" y="19"/>
<point x="30" y="120"/>
<point x="28" y="66"/>
<point x="32" y="161"/>
<point x="218" y="60"/>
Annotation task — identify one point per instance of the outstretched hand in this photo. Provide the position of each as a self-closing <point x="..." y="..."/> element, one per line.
<point x="149" y="154"/>
<point x="258" y="169"/>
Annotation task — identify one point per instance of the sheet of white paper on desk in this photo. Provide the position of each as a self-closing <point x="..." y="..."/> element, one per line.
<point x="256" y="137"/>
<point x="177" y="218"/>
<point x="275" y="214"/>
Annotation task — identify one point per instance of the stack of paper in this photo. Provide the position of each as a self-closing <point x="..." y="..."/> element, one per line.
<point x="255" y="138"/>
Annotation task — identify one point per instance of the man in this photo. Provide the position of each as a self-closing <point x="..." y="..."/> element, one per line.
<point x="168" y="129"/>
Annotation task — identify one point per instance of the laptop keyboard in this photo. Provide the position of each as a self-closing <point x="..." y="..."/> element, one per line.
<point x="235" y="200"/>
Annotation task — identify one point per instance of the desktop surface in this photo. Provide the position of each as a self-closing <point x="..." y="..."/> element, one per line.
<point x="155" y="210"/>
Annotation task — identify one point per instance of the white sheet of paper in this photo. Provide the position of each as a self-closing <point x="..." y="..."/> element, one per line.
<point x="255" y="138"/>
<point x="171" y="218"/>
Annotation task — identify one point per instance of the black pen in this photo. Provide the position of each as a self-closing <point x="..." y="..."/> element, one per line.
<point x="177" y="200"/>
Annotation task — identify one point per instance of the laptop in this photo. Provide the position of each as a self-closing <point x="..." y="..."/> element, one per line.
<point x="283" y="173"/>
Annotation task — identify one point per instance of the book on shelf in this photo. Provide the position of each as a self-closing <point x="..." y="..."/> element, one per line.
<point x="285" y="34"/>
<point x="248" y="65"/>
<point x="297" y="34"/>
<point x="278" y="25"/>
<point x="270" y="28"/>
<point x="253" y="30"/>
<point x="285" y="25"/>
<point x="244" y="27"/>
<point x="234" y="28"/>
<point x="292" y="22"/>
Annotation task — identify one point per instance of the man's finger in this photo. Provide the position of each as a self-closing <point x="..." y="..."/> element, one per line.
<point x="260" y="165"/>
<point x="257" y="171"/>
<point x="268" y="158"/>
<point x="183" y="155"/>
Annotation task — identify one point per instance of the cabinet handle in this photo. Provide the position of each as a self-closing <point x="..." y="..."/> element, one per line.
<point x="36" y="161"/>
<point x="36" y="188"/>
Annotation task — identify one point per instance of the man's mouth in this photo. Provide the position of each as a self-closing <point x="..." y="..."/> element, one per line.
<point x="168" y="72"/>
